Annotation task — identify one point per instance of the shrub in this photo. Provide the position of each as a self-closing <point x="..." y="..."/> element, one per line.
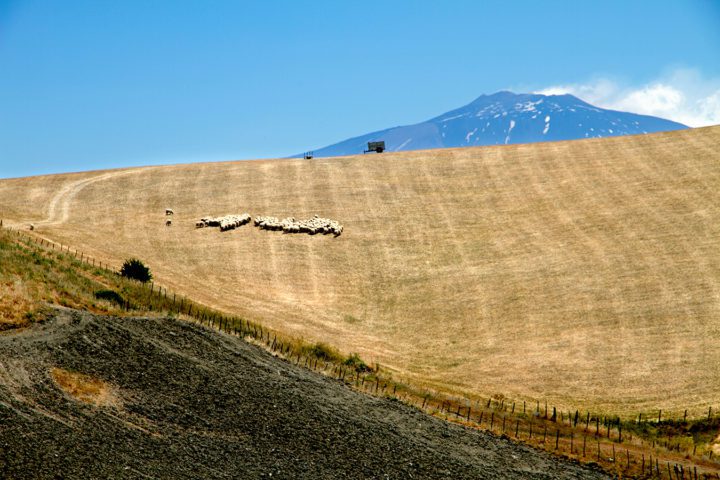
<point x="322" y="351"/>
<point x="110" y="295"/>
<point x="135" y="269"/>
<point x="357" y="363"/>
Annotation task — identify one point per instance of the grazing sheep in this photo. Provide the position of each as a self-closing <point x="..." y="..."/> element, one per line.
<point x="312" y="226"/>
<point x="169" y="211"/>
<point x="227" y="222"/>
<point x="32" y="227"/>
<point x="168" y="222"/>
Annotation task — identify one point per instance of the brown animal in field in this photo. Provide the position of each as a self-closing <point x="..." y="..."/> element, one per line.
<point x="168" y="222"/>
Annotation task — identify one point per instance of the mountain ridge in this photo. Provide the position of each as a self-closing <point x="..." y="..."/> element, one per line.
<point x="506" y="118"/>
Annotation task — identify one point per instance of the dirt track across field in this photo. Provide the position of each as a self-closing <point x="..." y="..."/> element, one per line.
<point x="186" y="402"/>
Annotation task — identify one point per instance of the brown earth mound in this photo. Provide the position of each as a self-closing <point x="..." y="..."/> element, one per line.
<point x="193" y="403"/>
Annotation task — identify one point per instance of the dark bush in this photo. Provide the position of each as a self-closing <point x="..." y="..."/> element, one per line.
<point x="110" y="295"/>
<point x="135" y="269"/>
<point x="323" y="351"/>
<point x="357" y="363"/>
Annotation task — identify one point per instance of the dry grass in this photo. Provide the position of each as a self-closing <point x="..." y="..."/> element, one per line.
<point x="15" y="303"/>
<point x="84" y="388"/>
<point x="586" y="273"/>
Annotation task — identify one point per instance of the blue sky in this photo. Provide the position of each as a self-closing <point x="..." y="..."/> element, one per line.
<point x="102" y="84"/>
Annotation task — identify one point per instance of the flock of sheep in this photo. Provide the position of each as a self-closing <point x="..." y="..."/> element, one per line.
<point x="290" y="225"/>
<point x="311" y="226"/>
<point x="227" y="222"/>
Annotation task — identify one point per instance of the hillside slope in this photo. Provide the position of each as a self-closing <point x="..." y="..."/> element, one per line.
<point x="185" y="402"/>
<point x="506" y="118"/>
<point x="586" y="273"/>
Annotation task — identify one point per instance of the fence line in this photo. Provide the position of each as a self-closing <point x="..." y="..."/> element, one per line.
<point x="565" y="429"/>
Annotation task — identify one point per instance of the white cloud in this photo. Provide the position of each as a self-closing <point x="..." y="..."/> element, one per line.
<point x="682" y="95"/>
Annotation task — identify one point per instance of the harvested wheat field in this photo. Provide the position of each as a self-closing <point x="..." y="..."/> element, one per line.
<point x="584" y="273"/>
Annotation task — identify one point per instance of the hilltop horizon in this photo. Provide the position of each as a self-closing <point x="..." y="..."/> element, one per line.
<point x="506" y="118"/>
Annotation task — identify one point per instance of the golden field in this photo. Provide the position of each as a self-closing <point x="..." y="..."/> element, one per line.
<point x="584" y="273"/>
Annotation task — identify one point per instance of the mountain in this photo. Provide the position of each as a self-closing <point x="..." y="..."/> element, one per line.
<point x="508" y="118"/>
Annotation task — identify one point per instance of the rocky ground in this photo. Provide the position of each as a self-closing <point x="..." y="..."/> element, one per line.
<point x="186" y="402"/>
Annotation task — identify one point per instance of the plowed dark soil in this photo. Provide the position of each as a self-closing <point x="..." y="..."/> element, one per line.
<point x="194" y="403"/>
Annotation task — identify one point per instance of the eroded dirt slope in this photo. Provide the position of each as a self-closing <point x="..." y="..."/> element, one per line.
<point x="185" y="402"/>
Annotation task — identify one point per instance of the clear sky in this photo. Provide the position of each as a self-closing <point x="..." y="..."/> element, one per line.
<point x="102" y="83"/>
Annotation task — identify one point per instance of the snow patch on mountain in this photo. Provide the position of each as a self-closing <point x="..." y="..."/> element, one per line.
<point x="470" y="134"/>
<point x="402" y="145"/>
<point x="512" y="125"/>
